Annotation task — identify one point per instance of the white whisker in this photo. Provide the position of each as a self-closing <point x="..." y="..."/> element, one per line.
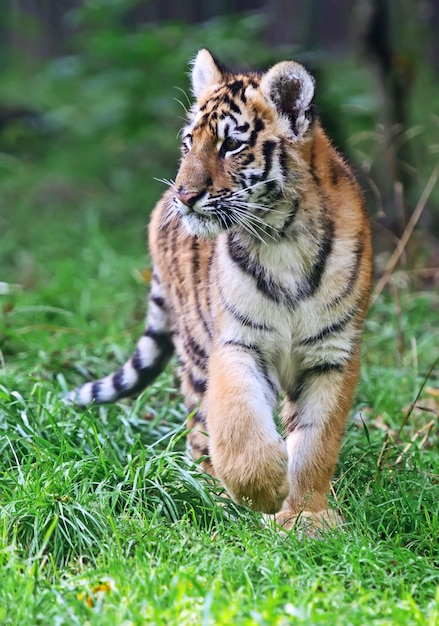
<point x="165" y="181"/>
<point x="170" y="217"/>
<point x="252" y="231"/>
<point x="250" y="228"/>
<point x="257" y="184"/>
<point x="189" y="101"/>
<point x="257" y="219"/>
<point x="181" y="103"/>
<point x="252" y="224"/>
<point x="252" y="205"/>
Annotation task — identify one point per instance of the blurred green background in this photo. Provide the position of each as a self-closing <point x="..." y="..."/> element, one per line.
<point x="93" y="92"/>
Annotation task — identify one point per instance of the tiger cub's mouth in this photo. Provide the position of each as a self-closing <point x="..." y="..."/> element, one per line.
<point x="206" y="215"/>
<point x="200" y="219"/>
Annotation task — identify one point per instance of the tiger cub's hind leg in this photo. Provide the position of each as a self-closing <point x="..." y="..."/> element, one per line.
<point x="314" y="416"/>
<point x="198" y="439"/>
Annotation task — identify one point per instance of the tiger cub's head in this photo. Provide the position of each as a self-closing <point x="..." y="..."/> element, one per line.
<point x="241" y="147"/>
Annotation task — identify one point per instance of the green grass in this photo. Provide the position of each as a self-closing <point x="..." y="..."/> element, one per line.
<point x="104" y="520"/>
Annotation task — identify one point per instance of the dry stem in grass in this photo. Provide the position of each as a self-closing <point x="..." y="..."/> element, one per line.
<point x="402" y="243"/>
<point x="426" y="430"/>
<point x="385" y="450"/>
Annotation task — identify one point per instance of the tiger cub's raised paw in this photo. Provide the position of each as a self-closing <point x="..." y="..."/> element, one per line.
<point x="257" y="478"/>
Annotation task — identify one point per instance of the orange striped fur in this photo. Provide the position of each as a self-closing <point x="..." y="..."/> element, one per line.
<point x="262" y="274"/>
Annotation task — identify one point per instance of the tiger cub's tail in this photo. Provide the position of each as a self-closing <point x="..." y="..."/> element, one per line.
<point x="153" y="351"/>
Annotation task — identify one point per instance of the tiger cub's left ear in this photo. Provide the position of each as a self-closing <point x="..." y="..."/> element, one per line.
<point x="206" y="71"/>
<point x="291" y="89"/>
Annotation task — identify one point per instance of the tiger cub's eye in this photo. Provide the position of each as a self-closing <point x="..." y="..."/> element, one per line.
<point x="230" y="144"/>
<point x="187" y="143"/>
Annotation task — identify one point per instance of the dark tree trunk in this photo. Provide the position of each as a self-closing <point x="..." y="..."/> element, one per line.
<point x="395" y="78"/>
<point x="40" y="28"/>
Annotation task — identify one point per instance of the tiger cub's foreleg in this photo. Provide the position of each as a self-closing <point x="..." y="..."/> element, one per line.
<point x="314" y="414"/>
<point x="247" y="453"/>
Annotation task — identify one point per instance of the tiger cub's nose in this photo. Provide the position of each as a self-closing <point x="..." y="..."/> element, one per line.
<point x="189" y="198"/>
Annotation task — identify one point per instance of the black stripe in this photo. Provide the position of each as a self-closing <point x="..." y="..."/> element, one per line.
<point x="235" y="87"/>
<point x="193" y="350"/>
<point x="336" y="171"/>
<point x="290" y="219"/>
<point x="197" y="447"/>
<point x="208" y="294"/>
<point x="176" y="270"/>
<point x="310" y="285"/>
<point x="225" y="114"/>
<point x="234" y="107"/>
<point x="198" y="418"/>
<point x="161" y="337"/>
<point x="268" y="148"/>
<point x="259" y="362"/>
<point x="199" y="384"/>
<point x="353" y="275"/>
<point x="283" y="159"/>
<point x="247" y="347"/>
<point x="195" y="258"/>
<point x="306" y="376"/>
<point x="264" y="282"/>
<point x="136" y="360"/>
<point x="159" y="301"/>
<point x="290" y="423"/>
<point x="293" y="422"/>
<point x="248" y="159"/>
<point x="322" y="256"/>
<point x="241" y="318"/>
<point x="225" y="217"/>
<point x="204" y="121"/>
<point x="148" y="374"/>
<point x="118" y="379"/>
<point x="195" y="247"/>
<point x="193" y="346"/>
<point x="259" y="125"/>
<point x="330" y="329"/>
<point x="246" y="321"/>
<point x="95" y="390"/>
<point x="312" y="166"/>
<point x="165" y="345"/>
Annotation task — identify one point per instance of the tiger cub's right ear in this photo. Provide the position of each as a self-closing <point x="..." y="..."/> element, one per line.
<point x="291" y="89"/>
<point x="206" y="72"/>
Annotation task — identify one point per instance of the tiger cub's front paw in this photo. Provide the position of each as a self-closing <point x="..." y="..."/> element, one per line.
<point x="257" y="476"/>
<point x="309" y="523"/>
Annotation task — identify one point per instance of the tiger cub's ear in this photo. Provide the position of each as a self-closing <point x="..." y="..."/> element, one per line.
<point x="206" y="71"/>
<point x="291" y="89"/>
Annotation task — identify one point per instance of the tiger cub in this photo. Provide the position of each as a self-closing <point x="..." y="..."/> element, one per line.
<point x="261" y="281"/>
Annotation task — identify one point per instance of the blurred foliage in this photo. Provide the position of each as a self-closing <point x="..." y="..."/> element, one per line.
<point x="119" y="92"/>
<point x="90" y="132"/>
<point x="85" y="136"/>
